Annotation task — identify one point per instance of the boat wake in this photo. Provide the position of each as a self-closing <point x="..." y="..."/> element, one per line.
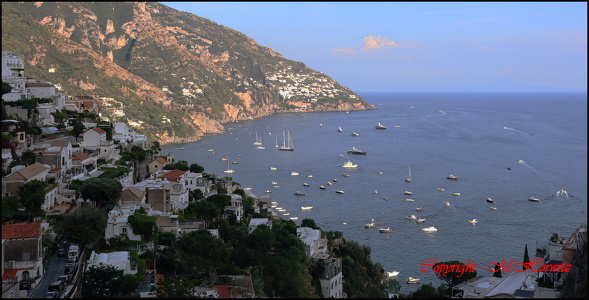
<point x="523" y="163"/>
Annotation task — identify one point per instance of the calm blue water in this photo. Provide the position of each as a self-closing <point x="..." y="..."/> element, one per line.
<point x="471" y="135"/>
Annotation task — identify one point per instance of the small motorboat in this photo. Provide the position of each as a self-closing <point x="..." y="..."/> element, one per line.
<point x="447" y="203"/>
<point x="418" y="221"/>
<point x="429" y="229"/>
<point x="346" y="175"/>
<point x="294" y="174"/>
<point x="294" y="218"/>
<point x="305" y="184"/>
<point x="380" y="126"/>
<point x="452" y="177"/>
<point x="375" y="191"/>
<point x="299" y="194"/>
<point x="322" y="187"/>
<point x="393" y="273"/>
<point x="334" y="180"/>
<point x="413" y="280"/>
<point x="418" y="209"/>
<point x="407" y="193"/>
<point x="273" y="169"/>
<point x="310" y="176"/>
<point x="180" y="148"/>
<point x="306" y="207"/>
<point x="267" y="191"/>
<point x="369" y="225"/>
<point x="329" y="183"/>
<point x="274" y="182"/>
<point x="441" y="189"/>
<point x="354" y="134"/>
<point x="493" y="208"/>
<point x="340" y="192"/>
<point x="235" y="162"/>
<point x="534" y="199"/>
<point x="409" y="200"/>
<point x="286" y="214"/>
<point x="473" y="221"/>
<point x="388" y="229"/>
<point x="411" y="217"/>
<point x="455" y="194"/>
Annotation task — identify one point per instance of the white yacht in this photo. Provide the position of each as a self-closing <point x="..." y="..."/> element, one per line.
<point x="349" y="164"/>
<point x="429" y="229"/>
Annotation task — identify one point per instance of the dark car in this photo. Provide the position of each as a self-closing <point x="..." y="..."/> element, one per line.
<point x="61" y="251"/>
<point x="69" y="269"/>
<point x="51" y="295"/>
<point x="64" y="278"/>
<point x="25" y="285"/>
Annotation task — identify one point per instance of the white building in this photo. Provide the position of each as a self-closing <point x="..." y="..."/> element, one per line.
<point x="118" y="259"/>
<point x="315" y="246"/>
<point x="95" y="142"/>
<point x="255" y="222"/>
<point x="332" y="279"/>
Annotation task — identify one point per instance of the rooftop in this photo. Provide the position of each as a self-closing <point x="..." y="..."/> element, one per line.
<point x="21" y="230"/>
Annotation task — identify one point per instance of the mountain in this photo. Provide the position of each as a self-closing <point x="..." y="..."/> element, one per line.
<point x="178" y="74"/>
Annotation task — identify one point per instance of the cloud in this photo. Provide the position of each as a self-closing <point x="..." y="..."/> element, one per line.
<point x="370" y="42"/>
<point x="484" y="48"/>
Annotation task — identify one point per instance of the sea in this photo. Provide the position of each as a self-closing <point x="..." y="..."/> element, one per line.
<point x="504" y="146"/>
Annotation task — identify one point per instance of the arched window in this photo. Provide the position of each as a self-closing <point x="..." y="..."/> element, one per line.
<point x="25" y="275"/>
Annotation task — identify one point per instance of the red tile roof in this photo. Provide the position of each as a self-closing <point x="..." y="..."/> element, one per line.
<point x="54" y="170"/>
<point x="51" y="188"/>
<point x="99" y="130"/>
<point x="161" y="160"/>
<point x="223" y="291"/>
<point x="79" y="156"/>
<point x="21" y="230"/>
<point x="174" y="175"/>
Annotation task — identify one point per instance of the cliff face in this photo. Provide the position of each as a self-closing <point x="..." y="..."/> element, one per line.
<point x="178" y="74"/>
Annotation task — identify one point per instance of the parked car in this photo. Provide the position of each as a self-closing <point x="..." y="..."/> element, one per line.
<point x="51" y="295"/>
<point x="64" y="278"/>
<point x="25" y="284"/>
<point x="57" y="286"/>
<point x="69" y="269"/>
<point x="61" y="251"/>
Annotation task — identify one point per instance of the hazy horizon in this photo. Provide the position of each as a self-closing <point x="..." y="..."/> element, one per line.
<point x="433" y="46"/>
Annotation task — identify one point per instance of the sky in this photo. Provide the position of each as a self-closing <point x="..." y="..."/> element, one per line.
<point x="421" y="46"/>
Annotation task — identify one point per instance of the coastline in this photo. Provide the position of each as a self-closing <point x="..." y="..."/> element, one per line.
<point x="165" y="140"/>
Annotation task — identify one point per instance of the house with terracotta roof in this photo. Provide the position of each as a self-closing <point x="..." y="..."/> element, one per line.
<point x="19" y="176"/>
<point x="83" y="104"/>
<point x="95" y="143"/>
<point x="156" y="165"/>
<point x="22" y="256"/>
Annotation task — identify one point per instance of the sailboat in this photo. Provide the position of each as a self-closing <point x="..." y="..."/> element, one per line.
<point x="258" y="140"/>
<point x="408" y="179"/>
<point x="228" y="170"/>
<point x="286" y="146"/>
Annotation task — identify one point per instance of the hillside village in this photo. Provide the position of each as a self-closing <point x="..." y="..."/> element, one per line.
<point x="62" y="144"/>
<point x="98" y="204"/>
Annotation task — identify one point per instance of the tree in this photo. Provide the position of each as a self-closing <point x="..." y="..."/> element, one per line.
<point x="174" y="287"/>
<point x="180" y="165"/>
<point x="526" y="258"/>
<point x="32" y="196"/>
<point x="429" y="291"/>
<point x="196" y="168"/>
<point x="309" y="223"/>
<point x="497" y="271"/>
<point x="101" y="190"/>
<point x="6" y="88"/>
<point x="454" y="272"/>
<point x="85" y="225"/>
<point x="28" y="157"/>
<point x="102" y="282"/>
<point x="195" y="195"/>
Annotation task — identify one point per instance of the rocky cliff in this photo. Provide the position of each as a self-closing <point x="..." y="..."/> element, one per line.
<point x="177" y="74"/>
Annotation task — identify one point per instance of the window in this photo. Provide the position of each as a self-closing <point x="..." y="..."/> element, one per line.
<point x="124" y="230"/>
<point x="25" y="275"/>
